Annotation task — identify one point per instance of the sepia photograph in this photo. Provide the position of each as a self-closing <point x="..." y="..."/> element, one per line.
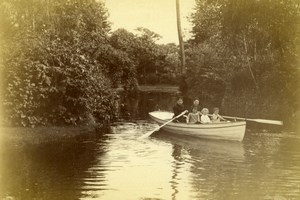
<point x="149" y="99"/>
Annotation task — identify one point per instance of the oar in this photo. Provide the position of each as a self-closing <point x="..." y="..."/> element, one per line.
<point x="150" y="132"/>
<point x="265" y="121"/>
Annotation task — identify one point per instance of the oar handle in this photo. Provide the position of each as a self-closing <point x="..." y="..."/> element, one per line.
<point x="239" y="118"/>
<point x="180" y="114"/>
<point x="172" y="119"/>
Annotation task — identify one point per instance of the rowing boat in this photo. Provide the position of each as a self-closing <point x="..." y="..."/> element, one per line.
<point x="225" y="130"/>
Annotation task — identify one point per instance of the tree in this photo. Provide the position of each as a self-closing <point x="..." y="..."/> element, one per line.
<point x="255" y="42"/>
<point x="51" y="72"/>
<point x="154" y="63"/>
<point x="181" y="44"/>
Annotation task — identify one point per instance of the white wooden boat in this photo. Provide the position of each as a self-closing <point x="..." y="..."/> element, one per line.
<point x="226" y="131"/>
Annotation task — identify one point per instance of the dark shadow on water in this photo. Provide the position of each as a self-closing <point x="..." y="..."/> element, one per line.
<point x="50" y="170"/>
<point x="176" y="154"/>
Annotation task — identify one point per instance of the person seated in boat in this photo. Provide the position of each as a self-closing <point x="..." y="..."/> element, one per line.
<point x="195" y="105"/>
<point x="178" y="109"/>
<point x="215" y="117"/>
<point x="194" y="116"/>
<point x="204" y="117"/>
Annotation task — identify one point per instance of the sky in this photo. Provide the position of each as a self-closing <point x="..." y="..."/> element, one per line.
<point x="158" y="16"/>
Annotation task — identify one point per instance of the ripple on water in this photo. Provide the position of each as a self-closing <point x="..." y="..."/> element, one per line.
<point x="118" y="165"/>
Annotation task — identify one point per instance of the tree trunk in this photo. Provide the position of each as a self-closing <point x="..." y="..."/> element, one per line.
<point x="181" y="45"/>
<point x="249" y="64"/>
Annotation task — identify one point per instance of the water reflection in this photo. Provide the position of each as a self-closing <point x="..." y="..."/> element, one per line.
<point x="131" y="166"/>
<point x="117" y="165"/>
<point x="223" y="149"/>
<point x="47" y="170"/>
<point x="163" y="167"/>
<point x="176" y="154"/>
<point x="205" y="164"/>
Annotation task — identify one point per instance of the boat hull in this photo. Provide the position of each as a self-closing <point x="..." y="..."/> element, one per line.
<point x="225" y="131"/>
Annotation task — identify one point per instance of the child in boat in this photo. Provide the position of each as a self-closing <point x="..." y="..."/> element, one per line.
<point x="194" y="116"/>
<point x="204" y="117"/>
<point x="178" y="109"/>
<point x="215" y="117"/>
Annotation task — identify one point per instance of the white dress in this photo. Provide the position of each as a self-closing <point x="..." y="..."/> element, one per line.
<point x="205" y="119"/>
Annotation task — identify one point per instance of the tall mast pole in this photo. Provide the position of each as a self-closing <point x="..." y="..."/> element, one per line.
<point x="181" y="45"/>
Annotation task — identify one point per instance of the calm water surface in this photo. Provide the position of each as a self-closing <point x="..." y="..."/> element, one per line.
<point x="118" y="165"/>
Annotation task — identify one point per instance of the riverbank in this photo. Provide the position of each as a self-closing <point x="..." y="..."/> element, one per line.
<point x="155" y="88"/>
<point x="159" y="88"/>
<point x="39" y="135"/>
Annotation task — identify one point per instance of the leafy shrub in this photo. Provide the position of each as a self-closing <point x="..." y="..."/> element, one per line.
<point x="51" y="72"/>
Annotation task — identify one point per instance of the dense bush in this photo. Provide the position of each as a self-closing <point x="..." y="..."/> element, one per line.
<point x="57" y="64"/>
<point x="60" y="64"/>
<point x="154" y="63"/>
<point x="245" y="51"/>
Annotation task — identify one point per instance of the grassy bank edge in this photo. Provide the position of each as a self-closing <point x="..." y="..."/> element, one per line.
<point x="38" y="135"/>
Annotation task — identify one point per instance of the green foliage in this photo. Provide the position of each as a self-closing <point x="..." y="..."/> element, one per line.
<point x="206" y="75"/>
<point x="117" y="65"/>
<point x="246" y="49"/>
<point x="139" y="48"/>
<point x="54" y="62"/>
<point x="169" y="64"/>
<point x="59" y="63"/>
<point x="153" y="63"/>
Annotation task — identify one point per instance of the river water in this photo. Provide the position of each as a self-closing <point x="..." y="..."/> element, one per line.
<point x="117" y="165"/>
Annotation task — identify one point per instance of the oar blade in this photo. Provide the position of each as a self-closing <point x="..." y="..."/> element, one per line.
<point x="149" y="133"/>
<point x="268" y="121"/>
<point x="264" y="121"/>
<point x="146" y="134"/>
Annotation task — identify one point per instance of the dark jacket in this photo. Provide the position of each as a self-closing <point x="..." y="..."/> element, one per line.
<point x="178" y="109"/>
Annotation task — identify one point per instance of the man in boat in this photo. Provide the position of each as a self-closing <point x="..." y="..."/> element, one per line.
<point x="195" y="105"/>
<point x="178" y="109"/>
